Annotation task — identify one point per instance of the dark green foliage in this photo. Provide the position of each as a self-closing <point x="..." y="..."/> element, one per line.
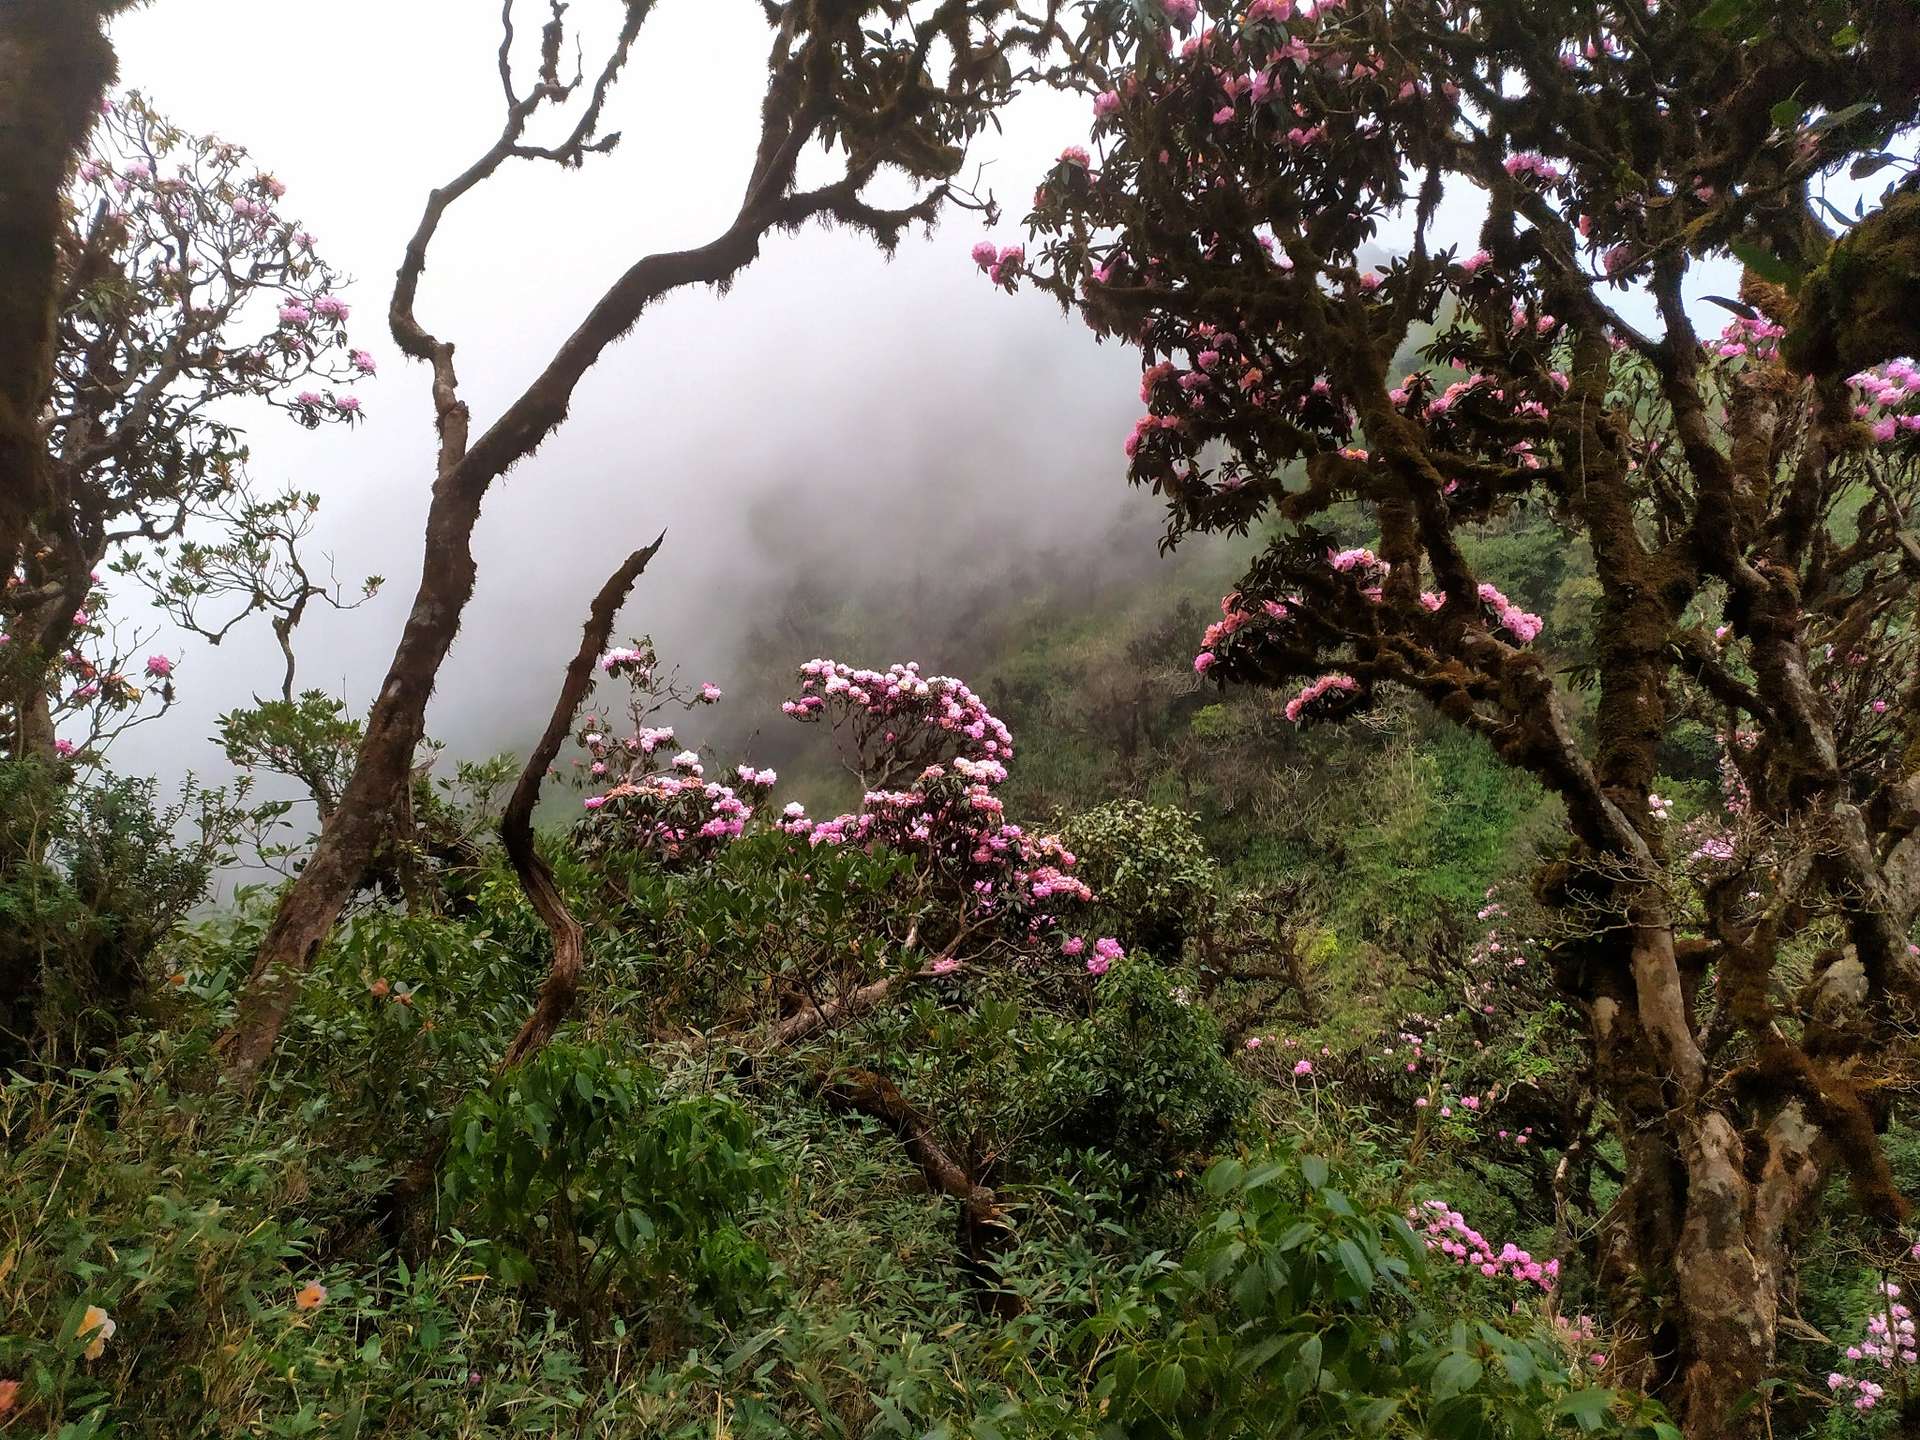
<point x="93" y="877"/>
<point x="1302" y="1312"/>
<point x="1151" y="1085"/>
<point x="1138" y="1079"/>
<point x="1149" y="870"/>
<point x="584" y="1175"/>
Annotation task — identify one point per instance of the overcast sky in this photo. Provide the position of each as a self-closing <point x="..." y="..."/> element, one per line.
<point x="833" y="412"/>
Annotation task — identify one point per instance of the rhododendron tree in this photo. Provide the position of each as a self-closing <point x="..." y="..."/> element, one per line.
<point x="182" y="289"/>
<point x="930" y="756"/>
<point x="898" y="88"/>
<point x="1259" y="210"/>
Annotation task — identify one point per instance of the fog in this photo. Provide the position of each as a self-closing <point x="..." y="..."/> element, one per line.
<point x="834" y="415"/>
<point x="837" y="418"/>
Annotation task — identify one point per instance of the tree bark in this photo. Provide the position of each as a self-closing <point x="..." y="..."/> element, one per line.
<point x="381" y="771"/>
<point x="1693" y="1253"/>
<point x="55" y="67"/>
<point x="516" y="822"/>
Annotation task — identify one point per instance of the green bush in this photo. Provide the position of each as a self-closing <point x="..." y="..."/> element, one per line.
<point x="1151" y="1083"/>
<point x="1137" y="1084"/>
<point x="1149" y="870"/>
<point x="581" y="1171"/>
<point x="1302" y="1312"/>
<point x="93" y="877"/>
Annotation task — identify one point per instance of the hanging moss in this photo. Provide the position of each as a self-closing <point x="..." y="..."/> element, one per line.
<point x="1862" y="307"/>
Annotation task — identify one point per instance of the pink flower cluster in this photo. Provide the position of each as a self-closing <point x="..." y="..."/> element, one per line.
<point x="1533" y="166"/>
<point x="946" y="812"/>
<point x="1001" y="266"/>
<point x="936" y="752"/>
<point x="1106" y="950"/>
<point x="1758" y="337"/>
<point x="626" y="661"/>
<point x="676" y="812"/>
<point x="1301" y="706"/>
<point x="1447" y="1231"/>
<point x="939" y="711"/>
<point x="1889" y="1347"/>
<point x="1889" y="400"/>
<point x="1520" y="624"/>
<point x="1362" y="559"/>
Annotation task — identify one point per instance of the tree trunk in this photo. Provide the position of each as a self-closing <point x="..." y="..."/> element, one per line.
<point x="55" y="66"/>
<point x="381" y="772"/>
<point x="516" y="822"/>
<point x="34" y="737"/>
<point x="1693" y="1252"/>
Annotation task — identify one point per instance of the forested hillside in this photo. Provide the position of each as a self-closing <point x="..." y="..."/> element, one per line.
<point x="1427" y="948"/>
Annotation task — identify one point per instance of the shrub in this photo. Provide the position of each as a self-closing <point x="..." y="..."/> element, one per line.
<point x="580" y="1169"/>
<point x="1016" y="1081"/>
<point x="1149" y="869"/>
<point x="1154" y="1086"/>
<point x="93" y="878"/>
<point x="1299" y="1311"/>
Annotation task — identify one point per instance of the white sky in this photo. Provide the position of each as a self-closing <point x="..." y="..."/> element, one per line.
<point x="833" y="411"/>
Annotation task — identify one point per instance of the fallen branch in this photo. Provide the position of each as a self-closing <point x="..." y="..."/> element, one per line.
<point x="984" y="1227"/>
<point x="805" y="1022"/>
<point x="815" y="1017"/>
<point x="516" y="822"/>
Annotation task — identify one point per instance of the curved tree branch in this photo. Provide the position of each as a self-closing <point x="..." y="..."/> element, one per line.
<point x="516" y="821"/>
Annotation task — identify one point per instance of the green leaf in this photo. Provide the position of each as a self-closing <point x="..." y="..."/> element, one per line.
<point x="1764" y="263"/>
<point x="1586" y="1408"/>
<point x="1313" y="1170"/>
<point x="1169" y="1384"/>
<point x="1846" y="37"/>
<point x="1256" y="1356"/>
<point x="1842" y="116"/>
<point x="1375" y="1416"/>
<point x="1355" y="1262"/>
<point x="1309" y="1361"/>
<point x="1457" y="1373"/>
<point x="1720" y="14"/>
<point x="1786" y="115"/>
